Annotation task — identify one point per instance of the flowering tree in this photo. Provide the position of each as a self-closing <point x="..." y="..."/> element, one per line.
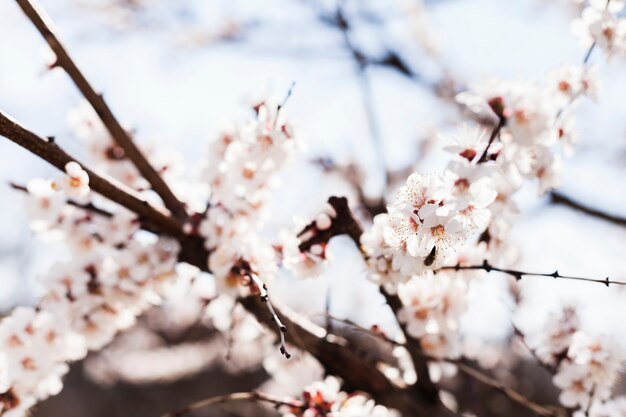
<point x="139" y="230"/>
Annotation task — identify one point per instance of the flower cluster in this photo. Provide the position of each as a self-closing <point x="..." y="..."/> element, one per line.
<point x="586" y="367"/>
<point x="600" y="25"/>
<point x="109" y="157"/>
<point x="432" y="308"/>
<point x="241" y="172"/>
<point x="431" y="217"/>
<point x="34" y="350"/>
<point x="113" y="277"/>
<point x="589" y="371"/>
<point x="556" y="337"/>
<point x="533" y="128"/>
<point x="325" y="399"/>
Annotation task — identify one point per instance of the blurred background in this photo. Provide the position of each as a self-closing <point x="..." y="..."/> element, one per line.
<point x="374" y="87"/>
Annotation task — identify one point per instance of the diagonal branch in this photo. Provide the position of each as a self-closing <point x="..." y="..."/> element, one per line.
<point x="562" y="199"/>
<point x="469" y="370"/>
<point x="512" y="394"/>
<point x="43" y="23"/>
<point x="48" y="150"/>
<point x="238" y="396"/>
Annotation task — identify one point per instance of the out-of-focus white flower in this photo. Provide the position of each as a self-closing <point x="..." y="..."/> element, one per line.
<point x="555" y="339"/>
<point x="380" y="255"/>
<point x="243" y="163"/>
<point x="601" y="25"/>
<point x="76" y="183"/>
<point x="603" y="359"/>
<point x="325" y="398"/>
<point x="35" y="350"/>
<point x="573" y="380"/>
<point x="568" y="83"/>
<point x="547" y="167"/>
<point x="615" y="407"/>
<point x="473" y="191"/>
<point x="233" y="263"/>
<point x="304" y="264"/>
<point x="431" y="310"/>
<point x="44" y="204"/>
<point x="589" y="370"/>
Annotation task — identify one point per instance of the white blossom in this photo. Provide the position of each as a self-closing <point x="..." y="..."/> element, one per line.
<point x="76" y="183"/>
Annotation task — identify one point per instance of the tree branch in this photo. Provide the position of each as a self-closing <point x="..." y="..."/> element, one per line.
<point x="48" y="150"/>
<point x="522" y="400"/>
<point x="414" y="346"/>
<point x="43" y="23"/>
<point x="467" y="369"/>
<point x="494" y="133"/>
<point x="560" y="198"/>
<point x="518" y="275"/>
<point x="336" y="357"/>
<point x="344" y="223"/>
<point x="237" y="396"/>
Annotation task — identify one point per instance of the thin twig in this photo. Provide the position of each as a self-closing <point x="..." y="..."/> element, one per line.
<point x="282" y="329"/>
<point x="90" y="207"/>
<point x="588" y="54"/>
<point x="43" y="23"/>
<point x="237" y="396"/>
<point x="494" y="133"/>
<point x="258" y="285"/>
<point x="532" y="351"/>
<point x="518" y="275"/>
<point x="562" y="199"/>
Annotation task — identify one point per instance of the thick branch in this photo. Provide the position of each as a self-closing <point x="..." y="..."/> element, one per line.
<point x="339" y="359"/>
<point x="509" y="392"/>
<point x="49" y="151"/>
<point x="468" y="370"/>
<point x="343" y="223"/>
<point x="42" y="22"/>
